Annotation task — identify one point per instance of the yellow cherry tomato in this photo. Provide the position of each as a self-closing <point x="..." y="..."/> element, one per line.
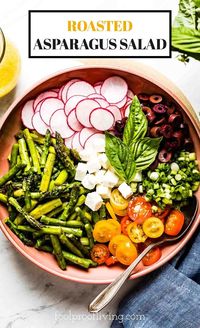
<point x="136" y="233"/>
<point x="104" y="230"/>
<point x="111" y="211"/>
<point x="126" y="253"/>
<point x="121" y="213"/>
<point x="153" y="227"/>
<point x="116" y="241"/>
<point x="117" y="201"/>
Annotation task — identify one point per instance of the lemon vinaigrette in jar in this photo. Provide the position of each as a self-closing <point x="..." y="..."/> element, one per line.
<point x="9" y="65"/>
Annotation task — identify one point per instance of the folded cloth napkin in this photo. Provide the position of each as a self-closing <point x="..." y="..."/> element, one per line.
<point x="167" y="298"/>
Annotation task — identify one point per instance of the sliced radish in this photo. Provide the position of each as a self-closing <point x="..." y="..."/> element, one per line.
<point x="121" y="103"/>
<point x="127" y="110"/>
<point x="95" y="96"/>
<point x="37" y="108"/>
<point x="65" y="89"/>
<point x="85" y="133"/>
<point x="58" y="123"/>
<point x="73" y="122"/>
<point x="114" y="89"/>
<point x="39" y="124"/>
<point x="48" y="107"/>
<point x="101" y="119"/>
<point x="68" y="142"/>
<point x="27" y="114"/>
<point x="60" y="92"/>
<point x="115" y="111"/>
<point x="130" y="94"/>
<point x="80" y="88"/>
<point x="94" y="139"/>
<point x="72" y="102"/>
<point x="83" y="110"/>
<point x="44" y="95"/>
<point x="97" y="87"/>
<point x="102" y="102"/>
<point x="76" y="142"/>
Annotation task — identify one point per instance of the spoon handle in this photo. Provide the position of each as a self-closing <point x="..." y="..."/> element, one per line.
<point x="111" y="290"/>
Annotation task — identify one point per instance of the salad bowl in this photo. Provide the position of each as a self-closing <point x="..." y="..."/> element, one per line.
<point x="140" y="79"/>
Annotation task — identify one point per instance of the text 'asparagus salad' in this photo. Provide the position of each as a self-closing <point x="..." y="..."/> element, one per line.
<point x="98" y="173"/>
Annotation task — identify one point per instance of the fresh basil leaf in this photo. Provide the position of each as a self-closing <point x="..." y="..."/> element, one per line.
<point x="186" y="40"/>
<point x="136" y="125"/>
<point x="187" y="16"/>
<point x="119" y="157"/>
<point x="144" y="152"/>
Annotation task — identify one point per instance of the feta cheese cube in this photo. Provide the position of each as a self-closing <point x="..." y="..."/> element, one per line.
<point x="103" y="160"/>
<point x="138" y="177"/>
<point x="99" y="176"/>
<point x="110" y="179"/>
<point x="93" y="165"/>
<point x="81" y="171"/>
<point x="103" y="191"/>
<point x="89" y="181"/>
<point x="86" y="154"/>
<point x="125" y="190"/>
<point x="93" y="201"/>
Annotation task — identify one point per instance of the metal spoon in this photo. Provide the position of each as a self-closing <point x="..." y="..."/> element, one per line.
<point x="111" y="290"/>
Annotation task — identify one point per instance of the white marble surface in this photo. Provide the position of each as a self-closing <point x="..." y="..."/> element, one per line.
<point x="32" y="298"/>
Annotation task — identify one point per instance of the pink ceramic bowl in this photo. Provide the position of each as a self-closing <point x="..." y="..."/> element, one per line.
<point x="140" y="79"/>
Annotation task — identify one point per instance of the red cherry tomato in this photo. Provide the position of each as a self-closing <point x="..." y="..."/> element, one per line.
<point x="152" y="256"/>
<point x="162" y="214"/>
<point x="111" y="260"/>
<point x="124" y="224"/>
<point x="139" y="209"/>
<point x="174" y="223"/>
<point x="100" y="253"/>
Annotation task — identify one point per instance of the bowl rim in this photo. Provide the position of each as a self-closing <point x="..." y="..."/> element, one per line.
<point x="195" y="123"/>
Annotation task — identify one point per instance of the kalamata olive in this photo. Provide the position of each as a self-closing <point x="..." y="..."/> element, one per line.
<point x="188" y="144"/>
<point x="175" y="119"/>
<point x="161" y="121"/>
<point x="143" y="97"/>
<point x="150" y="115"/>
<point x="179" y="136"/>
<point x="154" y="165"/>
<point x="155" y="131"/>
<point x="172" y="143"/>
<point x="160" y="108"/>
<point x="171" y="109"/>
<point x="166" y="131"/>
<point x="118" y="134"/>
<point x="119" y="126"/>
<point x="185" y="129"/>
<point x="164" y="156"/>
<point x="155" y="99"/>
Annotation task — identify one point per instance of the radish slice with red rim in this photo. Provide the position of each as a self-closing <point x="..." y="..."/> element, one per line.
<point x="115" y="111"/>
<point x="95" y="96"/>
<point x="73" y="123"/>
<point x="58" y="123"/>
<point x="68" y="142"/>
<point x="127" y="110"/>
<point x="37" y="108"/>
<point x="130" y="94"/>
<point x="114" y="89"/>
<point x="97" y="87"/>
<point x="83" y="110"/>
<point x="27" y="114"/>
<point x="76" y="142"/>
<point x="121" y="103"/>
<point x="85" y="133"/>
<point x="48" y="107"/>
<point x="39" y="124"/>
<point x="65" y="88"/>
<point x="44" y="95"/>
<point x="60" y="92"/>
<point x="94" y="139"/>
<point x="80" y="88"/>
<point x="72" y="102"/>
<point x="101" y="119"/>
<point x="102" y="102"/>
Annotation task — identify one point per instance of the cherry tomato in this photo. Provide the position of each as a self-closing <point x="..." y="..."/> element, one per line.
<point x="116" y="241"/>
<point x="135" y="233"/>
<point x="117" y="201"/>
<point x="162" y="214"/>
<point x="126" y="253"/>
<point x="153" y="227"/>
<point x="152" y="256"/>
<point x="100" y="253"/>
<point x="104" y="230"/>
<point x="121" y="213"/>
<point x="111" y="260"/>
<point x="124" y="224"/>
<point x="111" y="211"/>
<point x="174" y="223"/>
<point x="139" y="209"/>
